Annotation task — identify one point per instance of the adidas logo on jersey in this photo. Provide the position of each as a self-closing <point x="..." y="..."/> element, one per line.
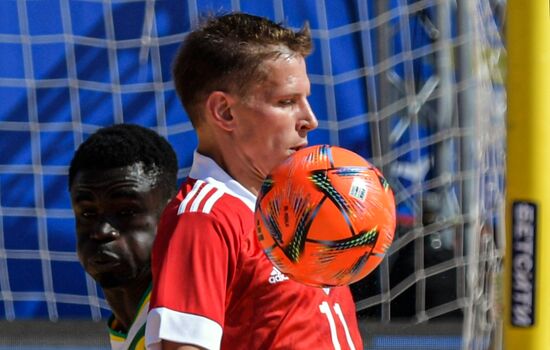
<point x="276" y="276"/>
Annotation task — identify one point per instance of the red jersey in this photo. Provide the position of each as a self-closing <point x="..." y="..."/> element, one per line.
<point x="214" y="287"/>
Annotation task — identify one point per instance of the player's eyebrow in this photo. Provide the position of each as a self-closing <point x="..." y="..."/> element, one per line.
<point x="125" y="194"/>
<point x="82" y="196"/>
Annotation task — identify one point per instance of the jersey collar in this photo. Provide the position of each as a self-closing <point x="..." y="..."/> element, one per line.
<point x="206" y="169"/>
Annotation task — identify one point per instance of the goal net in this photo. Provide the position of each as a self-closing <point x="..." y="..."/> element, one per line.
<point x="415" y="86"/>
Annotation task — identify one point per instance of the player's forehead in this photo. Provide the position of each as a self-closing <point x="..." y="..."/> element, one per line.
<point x="283" y="75"/>
<point x="131" y="180"/>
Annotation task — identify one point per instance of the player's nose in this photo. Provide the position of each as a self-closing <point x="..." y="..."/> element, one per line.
<point x="104" y="231"/>
<point x="308" y="120"/>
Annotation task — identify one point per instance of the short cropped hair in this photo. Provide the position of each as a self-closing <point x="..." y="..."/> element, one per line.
<point x="124" y="145"/>
<point x="226" y="54"/>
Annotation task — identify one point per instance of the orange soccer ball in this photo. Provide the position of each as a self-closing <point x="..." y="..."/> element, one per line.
<point x="325" y="217"/>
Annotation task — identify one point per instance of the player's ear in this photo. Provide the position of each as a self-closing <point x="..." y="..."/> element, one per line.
<point x="219" y="105"/>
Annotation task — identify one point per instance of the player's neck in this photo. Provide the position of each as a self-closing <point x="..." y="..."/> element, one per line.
<point x="234" y="164"/>
<point x="124" y="301"/>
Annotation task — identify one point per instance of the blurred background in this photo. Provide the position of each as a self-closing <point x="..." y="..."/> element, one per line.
<point x="414" y="86"/>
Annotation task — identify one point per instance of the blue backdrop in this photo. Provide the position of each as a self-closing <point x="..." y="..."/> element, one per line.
<point x="70" y="67"/>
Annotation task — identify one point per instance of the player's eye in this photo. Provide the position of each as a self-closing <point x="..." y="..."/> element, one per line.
<point x="88" y="214"/>
<point x="127" y="213"/>
<point x="287" y="102"/>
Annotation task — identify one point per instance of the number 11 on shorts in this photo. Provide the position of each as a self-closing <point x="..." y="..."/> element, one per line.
<point x="328" y="312"/>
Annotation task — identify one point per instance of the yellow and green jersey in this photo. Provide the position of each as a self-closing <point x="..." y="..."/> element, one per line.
<point x="135" y="338"/>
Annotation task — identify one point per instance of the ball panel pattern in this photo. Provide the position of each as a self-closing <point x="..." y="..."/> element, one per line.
<point x="326" y="216"/>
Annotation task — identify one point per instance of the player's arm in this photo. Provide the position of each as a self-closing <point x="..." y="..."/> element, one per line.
<point x="188" y="297"/>
<point x="168" y="345"/>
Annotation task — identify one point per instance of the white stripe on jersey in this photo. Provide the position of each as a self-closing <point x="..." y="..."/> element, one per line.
<point x="210" y="202"/>
<point x="189" y="196"/>
<point x="200" y="197"/>
<point x="201" y="190"/>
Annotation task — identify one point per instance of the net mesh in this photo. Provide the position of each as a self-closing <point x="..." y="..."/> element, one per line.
<point x="414" y="86"/>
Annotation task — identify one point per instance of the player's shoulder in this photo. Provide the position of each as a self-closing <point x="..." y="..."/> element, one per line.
<point x="199" y="196"/>
<point x="341" y="294"/>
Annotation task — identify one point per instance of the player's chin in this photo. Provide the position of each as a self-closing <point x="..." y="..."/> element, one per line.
<point x="277" y="158"/>
<point x="284" y="156"/>
<point x="303" y="144"/>
<point x="110" y="282"/>
<point x="112" y="279"/>
<point x="293" y="150"/>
